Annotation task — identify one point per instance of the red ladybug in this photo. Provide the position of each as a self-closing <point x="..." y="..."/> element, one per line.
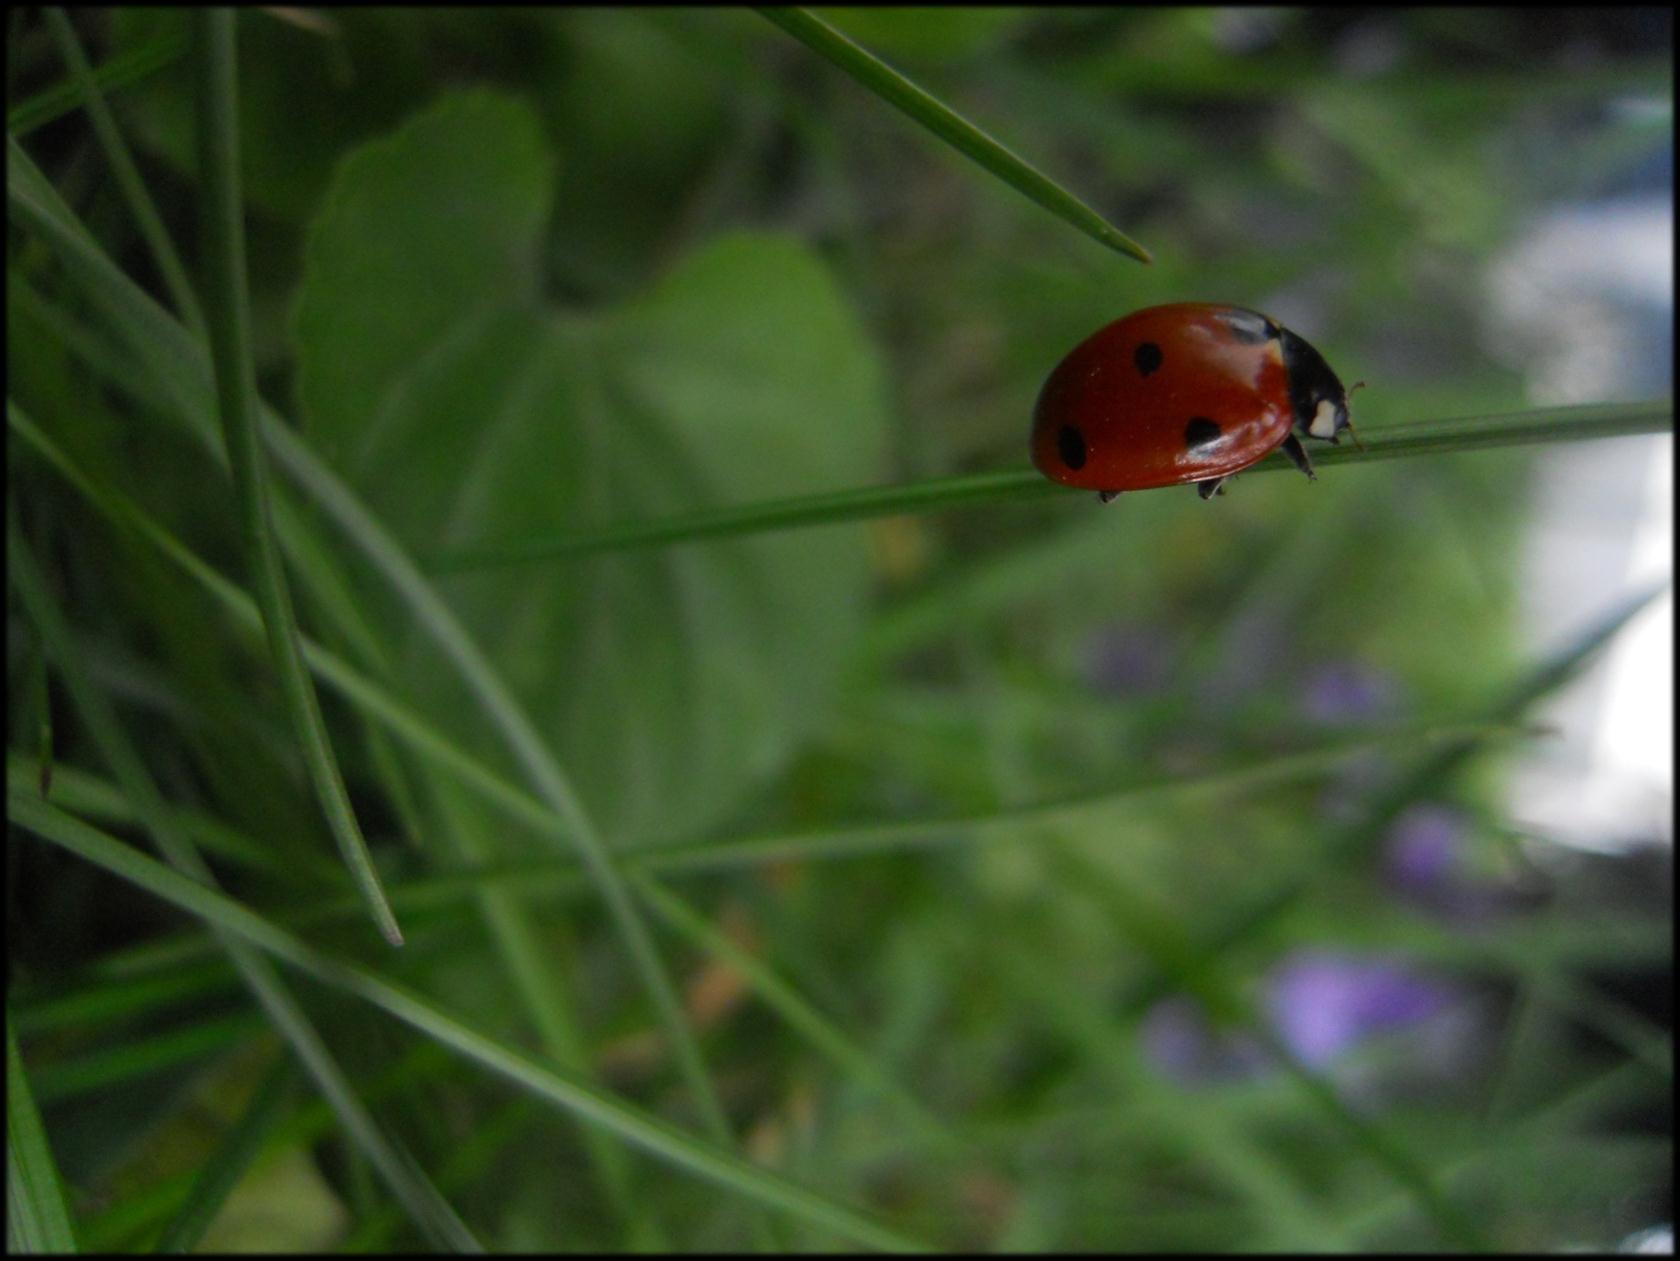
<point x="1190" y="392"/>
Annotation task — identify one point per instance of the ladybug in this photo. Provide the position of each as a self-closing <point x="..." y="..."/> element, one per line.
<point x="1188" y="392"/>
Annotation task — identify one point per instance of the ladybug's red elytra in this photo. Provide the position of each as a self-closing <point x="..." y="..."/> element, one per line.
<point x="1188" y="392"/>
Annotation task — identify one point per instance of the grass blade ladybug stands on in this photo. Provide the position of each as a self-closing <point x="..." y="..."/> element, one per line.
<point x="1190" y="392"/>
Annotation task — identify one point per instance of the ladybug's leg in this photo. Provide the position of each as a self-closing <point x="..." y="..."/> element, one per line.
<point x="1213" y="486"/>
<point x="1107" y="496"/>
<point x="1298" y="455"/>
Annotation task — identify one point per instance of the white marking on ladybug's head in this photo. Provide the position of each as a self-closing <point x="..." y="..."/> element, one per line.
<point x="1325" y="416"/>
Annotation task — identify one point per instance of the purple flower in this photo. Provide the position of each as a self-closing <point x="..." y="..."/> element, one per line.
<point x="1179" y="1041"/>
<point x="1423" y="862"/>
<point x="1128" y="660"/>
<point x="1421" y="855"/>
<point x="1323" y="1003"/>
<point x="1338" y="693"/>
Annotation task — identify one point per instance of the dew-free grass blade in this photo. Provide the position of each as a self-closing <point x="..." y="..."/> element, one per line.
<point x="536" y="760"/>
<point x="37" y="1220"/>
<point x="713" y="855"/>
<point x="1430" y="437"/>
<point x="121" y="70"/>
<point x="1242" y="921"/>
<point x="949" y="126"/>
<point x="133" y="188"/>
<point x="232" y="1157"/>
<point x="236" y="391"/>
<point x="130" y="1062"/>
<point x="434" y="1217"/>
<point x="1162" y="939"/>
<point x="798" y="1013"/>
<point x="542" y="1080"/>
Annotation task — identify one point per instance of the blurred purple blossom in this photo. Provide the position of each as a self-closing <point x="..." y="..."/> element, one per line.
<point x="1321" y="1003"/>
<point x="1178" y="1039"/>
<point x="1424" y="863"/>
<point x="1127" y="659"/>
<point x="1422" y="852"/>
<point x="1338" y="693"/>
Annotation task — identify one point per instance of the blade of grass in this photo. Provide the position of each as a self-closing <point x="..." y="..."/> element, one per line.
<point x="537" y="762"/>
<point x="538" y="977"/>
<point x="1201" y="1132"/>
<point x="543" y="1080"/>
<point x="228" y="1163"/>
<point x="1244" y="920"/>
<point x="1161" y="940"/>
<point x="37" y="1219"/>
<point x="125" y="68"/>
<point x="713" y="855"/>
<point x="132" y="1223"/>
<point x="1454" y="1224"/>
<point x="133" y="188"/>
<point x="407" y="1182"/>
<point x="471" y="1161"/>
<point x="1431" y="437"/>
<point x="133" y="1061"/>
<point x="230" y="344"/>
<point x="176" y="365"/>
<point x="949" y="126"/>
<point x="800" y="1015"/>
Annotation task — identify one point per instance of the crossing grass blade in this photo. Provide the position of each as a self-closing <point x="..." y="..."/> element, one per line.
<point x="408" y="1184"/>
<point x="121" y="160"/>
<point x="540" y="1079"/>
<point x="230" y="1161"/>
<point x="37" y="1219"/>
<point x="951" y="127"/>
<point x="121" y="70"/>
<point x="236" y="391"/>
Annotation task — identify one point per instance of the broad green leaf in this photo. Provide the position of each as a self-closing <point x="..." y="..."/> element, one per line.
<point x="643" y="111"/>
<point x="458" y="408"/>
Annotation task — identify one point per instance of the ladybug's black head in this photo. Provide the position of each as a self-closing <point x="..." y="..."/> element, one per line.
<point x="1316" y="395"/>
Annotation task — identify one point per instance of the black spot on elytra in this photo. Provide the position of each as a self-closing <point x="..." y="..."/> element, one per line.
<point x="1147" y="357"/>
<point x="1200" y="432"/>
<point x="1070" y="444"/>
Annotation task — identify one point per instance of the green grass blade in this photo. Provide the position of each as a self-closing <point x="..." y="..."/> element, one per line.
<point x="543" y="1080"/>
<point x="535" y="759"/>
<point x="229" y="1162"/>
<point x="713" y="855"/>
<point x="800" y="1015"/>
<point x="408" y="1184"/>
<point x="1201" y="1131"/>
<point x="900" y="835"/>
<point x="130" y="1062"/>
<point x="1162" y="940"/>
<point x="1430" y="437"/>
<point x="1384" y="1148"/>
<point x="140" y="204"/>
<point x="1247" y="918"/>
<point x="37" y="1219"/>
<point x="125" y="68"/>
<point x="949" y="126"/>
<point x="175" y="362"/>
<point x="796" y="512"/>
<point x="230" y="344"/>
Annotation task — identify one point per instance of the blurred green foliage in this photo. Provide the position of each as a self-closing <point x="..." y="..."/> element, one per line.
<point x="523" y="272"/>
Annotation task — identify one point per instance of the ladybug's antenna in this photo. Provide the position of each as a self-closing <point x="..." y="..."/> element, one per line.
<point x="1357" y="385"/>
